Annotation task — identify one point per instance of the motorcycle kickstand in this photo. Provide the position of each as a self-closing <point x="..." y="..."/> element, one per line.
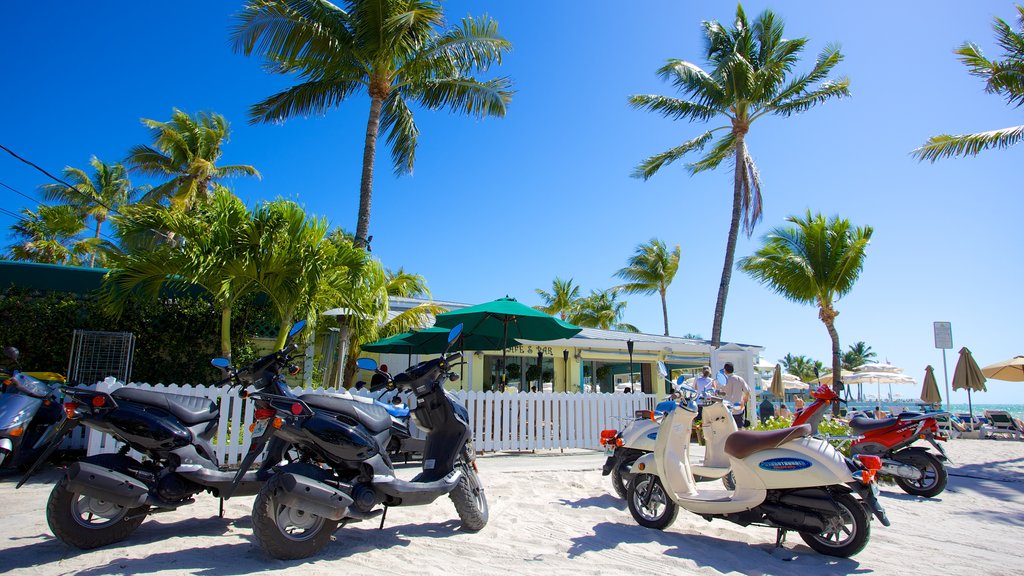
<point x="780" y="537"/>
<point x="220" y="513"/>
<point x="382" y="517"/>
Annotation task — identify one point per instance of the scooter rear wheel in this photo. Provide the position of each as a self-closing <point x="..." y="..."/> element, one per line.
<point x="845" y="534"/>
<point x="933" y="474"/>
<point x="620" y="484"/>
<point x="649" y="503"/>
<point x="284" y="532"/>
<point x="85" y="522"/>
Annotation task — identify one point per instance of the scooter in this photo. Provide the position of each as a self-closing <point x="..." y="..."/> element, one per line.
<point x="104" y="498"/>
<point x="406" y="438"/>
<point x="344" y="474"/>
<point x="28" y="407"/>
<point x="638" y="436"/>
<point x="785" y="479"/>
<point x="914" y="469"/>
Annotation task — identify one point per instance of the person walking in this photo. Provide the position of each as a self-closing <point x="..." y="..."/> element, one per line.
<point x="704" y="384"/>
<point x="737" y="392"/>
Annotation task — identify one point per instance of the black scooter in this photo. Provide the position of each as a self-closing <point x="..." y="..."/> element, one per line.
<point x="344" y="473"/>
<point x="104" y="498"/>
<point x="29" y="406"/>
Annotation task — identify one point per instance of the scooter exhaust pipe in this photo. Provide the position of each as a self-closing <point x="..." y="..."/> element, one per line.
<point x="900" y="470"/>
<point x="793" y="519"/>
<point x="106" y="484"/>
<point x="312" y="497"/>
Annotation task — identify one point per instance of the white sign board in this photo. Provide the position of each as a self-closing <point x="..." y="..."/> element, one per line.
<point x="943" y="335"/>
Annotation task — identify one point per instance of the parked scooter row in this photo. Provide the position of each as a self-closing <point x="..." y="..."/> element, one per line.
<point x="785" y="479"/>
<point x="29" y="405"/>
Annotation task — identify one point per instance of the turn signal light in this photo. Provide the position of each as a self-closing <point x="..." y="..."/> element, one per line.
<point x="607" y="435"/>
<point x="15" y="432"/>
<point x="277" y="423"/>
<point x="870" y="462"/>
<point x="70" y="408"/>
<point x="99" y="401"/>
<point x="867" y="476"/>
<point x="641" y="466"/>
<point x="619" y="442"/>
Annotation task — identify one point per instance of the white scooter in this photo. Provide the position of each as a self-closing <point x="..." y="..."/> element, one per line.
<point x="638" y="436"/>
<point x="785" y="479"/>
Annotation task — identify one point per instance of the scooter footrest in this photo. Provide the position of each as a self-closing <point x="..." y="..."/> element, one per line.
<point x="415" y="493"/>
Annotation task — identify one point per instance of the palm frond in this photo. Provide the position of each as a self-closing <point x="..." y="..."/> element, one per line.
<point x="673" y="108"/>
<point x="402" y="134"/>
<point x="313" y="97"/>
<point x="650" y="166"/>
<point x="837" y="88"/>
<point x="946" y="146"/>
<point x="467" y="95"/>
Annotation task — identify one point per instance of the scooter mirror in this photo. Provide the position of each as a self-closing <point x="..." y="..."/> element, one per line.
<point x="297" y="328"/>
<point x="455" y="332"/>
<point x="721" y="377"/>
<point x="367" y="364"/>
<point x="662" y="369"/>
<point x="12" y="353"/>
<point x="223" y="363"/>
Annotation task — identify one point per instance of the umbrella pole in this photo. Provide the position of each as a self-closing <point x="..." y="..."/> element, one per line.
<point x="970" y="408"/>
<point x="504" y="345"/>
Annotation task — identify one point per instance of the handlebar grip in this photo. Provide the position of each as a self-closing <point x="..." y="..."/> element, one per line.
<point x="453" y="357"/>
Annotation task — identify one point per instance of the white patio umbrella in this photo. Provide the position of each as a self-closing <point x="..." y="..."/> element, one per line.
<point x="879" y="378"/>
<point x="876" y="367"/>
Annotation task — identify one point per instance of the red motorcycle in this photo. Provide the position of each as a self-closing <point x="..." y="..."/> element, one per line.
<point x="914" y="468"/>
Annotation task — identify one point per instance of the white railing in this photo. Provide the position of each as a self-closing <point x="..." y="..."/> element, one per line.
<point x="500" y="421"/>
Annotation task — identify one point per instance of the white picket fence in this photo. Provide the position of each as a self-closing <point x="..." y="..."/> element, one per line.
<point x="500" y="421"/>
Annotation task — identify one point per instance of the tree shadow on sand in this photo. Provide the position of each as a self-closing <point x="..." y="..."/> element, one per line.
<point x="606" y="501"/>
<point x="719" y="554"/>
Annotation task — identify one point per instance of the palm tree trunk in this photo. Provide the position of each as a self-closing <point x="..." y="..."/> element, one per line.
<point x="664" y="310"/>
<point x="730" y="246"/>
<point x="366" y="183"/>
<point x="225" y="332"/>
<point x="837" y="362"/>
<point x="92" y="261"/>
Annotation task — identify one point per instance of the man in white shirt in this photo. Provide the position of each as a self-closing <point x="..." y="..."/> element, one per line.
<point x="705" y="383"/>
<point x="737" y="392"/>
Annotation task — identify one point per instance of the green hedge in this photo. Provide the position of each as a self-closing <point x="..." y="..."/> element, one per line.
<point x="174" y="338"/>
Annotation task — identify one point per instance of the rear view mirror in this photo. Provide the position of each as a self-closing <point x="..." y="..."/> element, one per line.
<point x="662" y="369"/>
<point x="12" y="353"/>
<point x="296" y="328"/>
<point x="453" y="335"/>
<point x="222" y="363"/>
<point x="367" y="364"/>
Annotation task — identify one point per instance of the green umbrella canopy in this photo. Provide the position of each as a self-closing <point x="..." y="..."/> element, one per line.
<point x="396" y="344"/>
<point x="435" y="340"/>
<point x="507" y="319"/>
<point x="930" y="390"/>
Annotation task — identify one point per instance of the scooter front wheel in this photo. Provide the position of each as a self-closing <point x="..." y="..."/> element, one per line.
<point x="470" y="500"/>
<point x="846" y="533"/>
<point x="284" y="532"/>
<point x="649" y="503"/>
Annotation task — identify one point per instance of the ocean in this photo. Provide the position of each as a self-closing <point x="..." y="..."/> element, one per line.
<point x="1017" y="410"/>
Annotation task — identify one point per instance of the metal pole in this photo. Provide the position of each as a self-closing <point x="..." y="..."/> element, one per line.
<point x="629" y="346"/>
<point x="945" y="376"/>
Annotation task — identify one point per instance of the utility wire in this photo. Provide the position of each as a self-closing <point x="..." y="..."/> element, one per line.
<point x="20" y="193"/>
<point x="25" y="220"/>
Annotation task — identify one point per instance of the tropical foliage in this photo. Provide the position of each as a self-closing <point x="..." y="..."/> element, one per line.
<point x="397" y="51"/>
<point x="751" y="75"/>
<point x="185" y="151"/>
<point x="50" y="235"/>
<point x="857" y="355"/>
<point x="650" y="271"/>
<point x="1004" y="77"/>
<point x="804" y="368"/>
<point x="561" y="300"/>
<point x="813" y="261"/>
<point x="601" y="309"/>
<point x="96" y="196"/>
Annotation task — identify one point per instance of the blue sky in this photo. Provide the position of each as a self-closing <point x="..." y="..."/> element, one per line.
<point x="502" y="206"/>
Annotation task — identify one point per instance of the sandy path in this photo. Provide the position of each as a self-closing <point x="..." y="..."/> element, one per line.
<point x="554" y="515"/>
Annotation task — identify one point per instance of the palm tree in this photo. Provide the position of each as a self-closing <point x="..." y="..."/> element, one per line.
<point x="49" y="235"/>
<point x="651" y="270"/>
<point x="857" y="355"/>
<point x="814" y="261"/>
<point x="801" y="366"/>
<point x="601" y="309"/>
<point x="1004" y="77"/>
<point x="562" y="300"/>
<point x="97" y="196"/>
<point x="395" y="50"/>
<point x="186" y="150"/>
<point x="750" y="77"/>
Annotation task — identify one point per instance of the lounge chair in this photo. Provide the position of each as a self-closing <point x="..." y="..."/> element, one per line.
<point x="1002" y="424"/>
<point x="949" y="424"/>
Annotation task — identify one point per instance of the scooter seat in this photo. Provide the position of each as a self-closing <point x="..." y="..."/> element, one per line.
<point x="859" y="425"/>
<point x="743" y="443"/>
<point x="374" y="417"/>
<point x="188" y="409"/>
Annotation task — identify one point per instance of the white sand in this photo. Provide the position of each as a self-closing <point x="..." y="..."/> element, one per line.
<point x="554" y="514"/>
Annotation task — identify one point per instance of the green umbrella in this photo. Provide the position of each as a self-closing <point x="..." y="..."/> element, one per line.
<point x="396" y="344"/>
<point x="435" y="340"/>
<point x="506" y="320"/>
<point x="930" y="390"/>
<point x="968" y="375"/>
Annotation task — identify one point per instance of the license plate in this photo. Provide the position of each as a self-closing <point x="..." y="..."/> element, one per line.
<point x="261" y="427"/>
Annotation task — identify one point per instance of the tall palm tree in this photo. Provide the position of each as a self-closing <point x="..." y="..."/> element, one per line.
<point x="49" y="235"/>
<point x="650" y="270"/>
<point x="97" y="196"/>
<point x="814" y="261"/>
<point x="185" y="150"/>
<point x="751" y="76"/>
<point x="601" y="309"/>
<point x="1003" y="77"/>
<point x="857" y="355"/>
<point x="396" y="50"/>
<point x="562" y="299"/>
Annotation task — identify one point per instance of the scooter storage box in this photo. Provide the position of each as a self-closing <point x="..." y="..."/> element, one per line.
<point x="105" y="484"/>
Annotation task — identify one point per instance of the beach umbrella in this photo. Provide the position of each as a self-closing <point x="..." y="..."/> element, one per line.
<point x="505" y="320"/>
<point x="878" y="367"/>
<point x="777" y="388"/>
<point x="879" y="378"/>
<point x="1011" y="370"/>
<point x="435" y="340"/>
<point x="930" y="390"/>
<point x="968" y="375"/>
<point x="396" y="344"/>
<point x="827" y="378"/>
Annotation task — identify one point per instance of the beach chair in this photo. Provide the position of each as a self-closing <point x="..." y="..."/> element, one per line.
<point x="1001" y="424"/>
<point x="949" y="424"/>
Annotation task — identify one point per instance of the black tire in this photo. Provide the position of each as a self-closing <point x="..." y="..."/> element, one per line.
<point x="729" y="480"/>
<point x="660" y="511"/>
<point x="85" y="522"/>
<point x="845" y="535"/>
<point x="271" y="523"/>
<point x="619" y="483"/>
<point x="933" y="474"/>
<point x="470" y="500"/>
